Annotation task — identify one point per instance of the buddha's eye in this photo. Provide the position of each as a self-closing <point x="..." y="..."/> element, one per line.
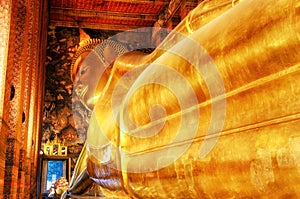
<point x="83" y="71"/>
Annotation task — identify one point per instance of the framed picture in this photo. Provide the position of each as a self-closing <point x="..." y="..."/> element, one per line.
<point x="63" y="151"/>
<point x="55" y="149"/>
<point x="53" y="167"/>
<point x="48" y="150"/>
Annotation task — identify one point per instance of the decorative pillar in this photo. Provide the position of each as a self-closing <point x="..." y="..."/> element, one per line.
<point x="32" y="104"/>
<point x="170" y="17"/>
<point x="13" y="109"/>
<point x="41" y="27"/>
<point x="22" y="100"/>
<point x="27" y="67"/>
<point x="5" y="12"/>
<point x="187" y="6"/>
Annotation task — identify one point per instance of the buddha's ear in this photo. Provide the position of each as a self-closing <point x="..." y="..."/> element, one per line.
<point x="110" y="54"/>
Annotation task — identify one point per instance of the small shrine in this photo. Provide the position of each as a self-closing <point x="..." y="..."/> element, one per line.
<point x="56" y="147"/>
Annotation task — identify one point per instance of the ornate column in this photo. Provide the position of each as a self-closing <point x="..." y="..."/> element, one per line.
<point x="5" y="12"/>
<point x="40" y="28"/>
<point x="24" y="83"/>
<point x="33" y="95"/>
<point x="13" y="105"/>
<point x="170" y="18"/>
<point x="187" y="6"/>
<point x="27" y="66"/>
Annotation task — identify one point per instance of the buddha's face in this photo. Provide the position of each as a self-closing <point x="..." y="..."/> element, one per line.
<point x="89" y="70"/>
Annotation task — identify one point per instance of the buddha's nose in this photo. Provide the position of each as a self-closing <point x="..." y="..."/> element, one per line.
<point x="78" y="87"/>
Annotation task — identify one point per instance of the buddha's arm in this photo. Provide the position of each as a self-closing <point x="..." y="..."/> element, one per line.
<point x="80" y="179"/>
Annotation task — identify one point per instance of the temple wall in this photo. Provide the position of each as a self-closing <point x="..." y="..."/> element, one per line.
<point x="57" y="108"/>
<point x="5" y="13"/>
<point x="21" y="95"/>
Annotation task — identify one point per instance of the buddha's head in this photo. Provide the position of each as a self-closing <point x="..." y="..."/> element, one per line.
<point x="91" y="68"/>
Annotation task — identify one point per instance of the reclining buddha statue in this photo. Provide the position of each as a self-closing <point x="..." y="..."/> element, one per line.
<point x="212" y="112"/>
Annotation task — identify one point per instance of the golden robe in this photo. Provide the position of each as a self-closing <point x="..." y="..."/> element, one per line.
<point x="213" y="112"/>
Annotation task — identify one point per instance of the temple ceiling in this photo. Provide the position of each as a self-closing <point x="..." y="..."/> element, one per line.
<point x="117" y="15"/>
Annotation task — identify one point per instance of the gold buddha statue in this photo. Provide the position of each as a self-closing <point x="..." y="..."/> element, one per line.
<point x="213" y="112"/>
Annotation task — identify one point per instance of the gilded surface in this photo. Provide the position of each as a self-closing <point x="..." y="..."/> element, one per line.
<point x="254" y="46"/>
